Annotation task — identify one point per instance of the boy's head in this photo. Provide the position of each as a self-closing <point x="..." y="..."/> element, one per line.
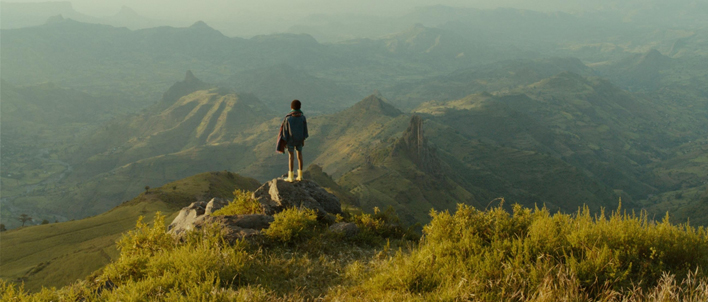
<point x="295" y="104"/>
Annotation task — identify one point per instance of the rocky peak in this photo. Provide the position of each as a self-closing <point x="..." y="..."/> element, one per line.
<point x="190" y="78"/>
<point x="200" y="24"/>
<point x="653" y="60"/>
<point x="127" y="12"/>
<point x="190" y="84"/>
<point x="375" y="104"/>
<point x="55" y="19"/>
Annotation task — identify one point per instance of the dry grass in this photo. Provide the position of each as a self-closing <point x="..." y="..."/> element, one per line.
<point x="492" y="255"/>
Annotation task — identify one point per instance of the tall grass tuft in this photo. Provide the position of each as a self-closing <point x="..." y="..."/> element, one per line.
<point x="495" y="255"/>
<point x="292" y="224"/>
<point x="243" y="203"/>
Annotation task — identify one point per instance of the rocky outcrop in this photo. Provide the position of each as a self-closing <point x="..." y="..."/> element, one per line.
<point x="274" y="197"/>
<point x="186" y="218"/>
<point x="278" y="194"/>
<point x="199" y="215"/>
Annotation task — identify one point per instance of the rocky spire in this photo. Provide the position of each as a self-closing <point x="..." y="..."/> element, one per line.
<point x="414" y="145"/>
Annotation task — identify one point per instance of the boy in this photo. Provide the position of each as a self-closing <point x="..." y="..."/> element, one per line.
<point x="293" y="132"/>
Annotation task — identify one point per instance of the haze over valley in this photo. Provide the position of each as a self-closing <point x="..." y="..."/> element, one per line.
<point x="412" y="106"/>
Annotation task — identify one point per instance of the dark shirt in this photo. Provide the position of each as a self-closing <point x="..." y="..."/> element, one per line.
<point x="294" y="128"/>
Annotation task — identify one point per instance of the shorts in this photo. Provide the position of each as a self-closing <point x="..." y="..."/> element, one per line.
<point x="298" y="148"/>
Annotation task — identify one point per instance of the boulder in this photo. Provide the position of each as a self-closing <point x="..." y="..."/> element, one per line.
<point x="347" y="229"/>
<point x="278" y="194"/>
<point x="214" y="205"/>
<point x="186" y="218"/>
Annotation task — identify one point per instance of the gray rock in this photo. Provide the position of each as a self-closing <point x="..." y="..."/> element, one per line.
<point x="278" y="194"/>
<point x="214" y="205"/>
<point x="186" y="218"/>
<point x="347" y="229"/>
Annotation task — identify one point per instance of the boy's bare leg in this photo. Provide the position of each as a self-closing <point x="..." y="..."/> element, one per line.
<point x="299" y="164"/>
<point x="291" y="159"/>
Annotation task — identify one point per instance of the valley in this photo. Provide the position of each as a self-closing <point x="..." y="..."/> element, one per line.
<point x="429" y="111"/>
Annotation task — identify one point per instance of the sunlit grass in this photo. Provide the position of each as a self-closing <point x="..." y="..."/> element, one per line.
<point x="492" y="255"/>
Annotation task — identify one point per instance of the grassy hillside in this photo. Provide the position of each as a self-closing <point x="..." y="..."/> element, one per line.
<point x="57" y="254"/>
<point x="492" y="255"/>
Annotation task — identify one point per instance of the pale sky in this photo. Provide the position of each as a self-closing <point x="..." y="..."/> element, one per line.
<point x="224" y="9"/>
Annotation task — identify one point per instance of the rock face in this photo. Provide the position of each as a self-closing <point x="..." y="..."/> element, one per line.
<point x="278" y="194"/>
<point x="274" y="197"/>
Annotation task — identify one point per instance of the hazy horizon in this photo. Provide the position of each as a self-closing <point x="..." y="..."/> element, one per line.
<point x="247" y="18"/>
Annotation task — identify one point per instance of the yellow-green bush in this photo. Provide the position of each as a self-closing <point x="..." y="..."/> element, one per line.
<point x="471" y="255"/>
<point x="243" y="203"/>
<point x="375" y="227"/>
<point x="495" y="255"/>
<point x="292" y="224"/>
<point x="145" y="239"/>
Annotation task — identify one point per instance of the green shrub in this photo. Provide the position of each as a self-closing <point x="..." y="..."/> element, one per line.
<point x="502" y="256"/>
<point x="381" y="225"/>
<point x="471" y="255"/>
<point x="242" y="204"/>
<point x="292" y="225"/>
<point x="145" y="239"/>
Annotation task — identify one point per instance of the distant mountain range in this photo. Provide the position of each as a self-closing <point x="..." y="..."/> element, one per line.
<point x="563" y="141"/>
<point x="141" y="64"/>
<point x="22" y="14"/>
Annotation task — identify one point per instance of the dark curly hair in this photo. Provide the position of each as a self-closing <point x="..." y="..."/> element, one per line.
<point x="295" y="105"/>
